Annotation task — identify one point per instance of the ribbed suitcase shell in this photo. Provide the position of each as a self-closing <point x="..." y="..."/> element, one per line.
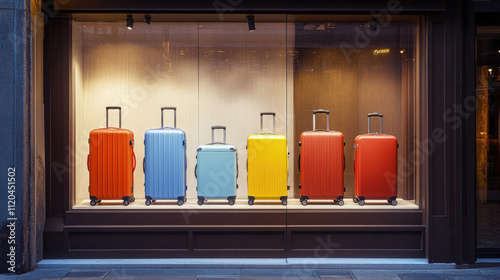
<point x="322" y="165"/>
<point x="165" y="164"/>
<point x="375" y="166"/>
<point x="216" y="172"/>
<point x="267" y="166"/>
<point x="111" y="164"/>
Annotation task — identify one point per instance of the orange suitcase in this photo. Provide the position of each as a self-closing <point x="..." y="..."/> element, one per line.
<point x="111" y="163"/>
<point x="321" y="163"/>
<point x="375" y="165"/>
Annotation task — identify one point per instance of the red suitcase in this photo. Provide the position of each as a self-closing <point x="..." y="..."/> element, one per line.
<point x="111" y="163"/>
<point x="375" y="165"/>
<point x="321" y="163"/>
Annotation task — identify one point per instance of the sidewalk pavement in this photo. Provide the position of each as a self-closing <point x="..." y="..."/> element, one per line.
<point x="239" y="269"/>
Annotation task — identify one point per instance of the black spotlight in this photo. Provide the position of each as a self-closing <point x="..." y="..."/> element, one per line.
<point x="251" y="23"/>
<point x="130" y="22"/>
<point x="147" y="19"/>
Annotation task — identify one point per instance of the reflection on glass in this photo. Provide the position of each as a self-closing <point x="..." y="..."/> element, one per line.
<point x="487" y="138"/>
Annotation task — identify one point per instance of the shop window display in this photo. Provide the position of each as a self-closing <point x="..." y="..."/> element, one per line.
<point x="219" y="74"/>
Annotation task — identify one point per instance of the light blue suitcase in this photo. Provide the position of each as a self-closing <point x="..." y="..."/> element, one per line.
<point x="165" y="163"/>
<point x="217" y="170"/>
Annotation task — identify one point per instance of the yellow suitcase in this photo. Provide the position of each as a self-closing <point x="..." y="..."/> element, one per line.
<point x="267" y="165"/>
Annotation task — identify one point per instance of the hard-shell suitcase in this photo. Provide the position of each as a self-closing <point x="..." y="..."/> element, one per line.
<point x="267" y="165"/>
<point x="165" y="162"/>
<point x="375" y="165"/>
<point x="217" y="170"/>
<point x="111" y="163"/>
<point x="321" y="163"/>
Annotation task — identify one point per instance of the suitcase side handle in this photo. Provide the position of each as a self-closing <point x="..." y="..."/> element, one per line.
<point x="381" y="121"/>
<point x="321" y="111"/>
<point x="120" y="114"/>
<point x="298" y="162"/>
<point x="175" y="115"/>
<point x="218" y="127"/>
<point x="262" y="120"/>
<point x="134" y="163"/>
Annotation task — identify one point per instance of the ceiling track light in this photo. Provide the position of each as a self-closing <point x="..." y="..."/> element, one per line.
<point x="147" y="19"/>
<point x="251" y="23"/>
<point x="130" y="22"/>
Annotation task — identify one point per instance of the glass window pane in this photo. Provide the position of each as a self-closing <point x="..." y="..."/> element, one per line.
<point x="487" y="140"/>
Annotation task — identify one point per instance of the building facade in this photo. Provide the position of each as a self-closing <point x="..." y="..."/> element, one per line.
<point x="430" y="67"/>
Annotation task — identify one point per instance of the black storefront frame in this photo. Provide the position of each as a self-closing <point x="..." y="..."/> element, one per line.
<point x="441" y="216"/>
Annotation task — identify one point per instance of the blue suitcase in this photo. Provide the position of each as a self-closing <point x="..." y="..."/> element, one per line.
<point x="217" y="170"/>
<point x="165" y="163"/>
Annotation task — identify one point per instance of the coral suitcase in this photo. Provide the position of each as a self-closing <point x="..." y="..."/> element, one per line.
<point x="321" y="163"/>
<point x="111" y="163"/>
<point x="375" y="165"/>
<point x="165" y="163"/>
<point x="217" y="170"/>
<point x="267" y="165"/>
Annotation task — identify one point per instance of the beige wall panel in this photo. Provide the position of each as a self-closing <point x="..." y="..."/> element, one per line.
<point x="81" y="136"/>
<point x="134" y="69"/>
<point x="242" y="73"/>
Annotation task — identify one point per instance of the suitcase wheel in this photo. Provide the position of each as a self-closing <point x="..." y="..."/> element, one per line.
<point x="200" y="202"/>
<point x="341" y="203"/>
<point x="126" y="202"/>
<point x="361" y="202"/>
<point x="393" y="202"/>
<point x="132" y="198"/>
<point x="250" y="202"/>
<point x="92" y="202"/>
<point x="284" y="202"/>
<point x="355" y="200"/>
<point x="304" y="202"/>
<point x="180" y="202"/>
<point x="230" y="202"/>
<point x="148" y="202"/>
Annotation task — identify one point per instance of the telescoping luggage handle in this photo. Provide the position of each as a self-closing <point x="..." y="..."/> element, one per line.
<point x="320" y="111"/>
<point x="218" y="127"/>
<point x="175" y="115"/>
<point x="114" y="108"/>
<point x="262" y="120"/>
<point x="381" y="121"/>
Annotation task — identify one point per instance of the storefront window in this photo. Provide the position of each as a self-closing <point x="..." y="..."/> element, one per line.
<point x="222" y="74"/>
<point x="487" y="136"/>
